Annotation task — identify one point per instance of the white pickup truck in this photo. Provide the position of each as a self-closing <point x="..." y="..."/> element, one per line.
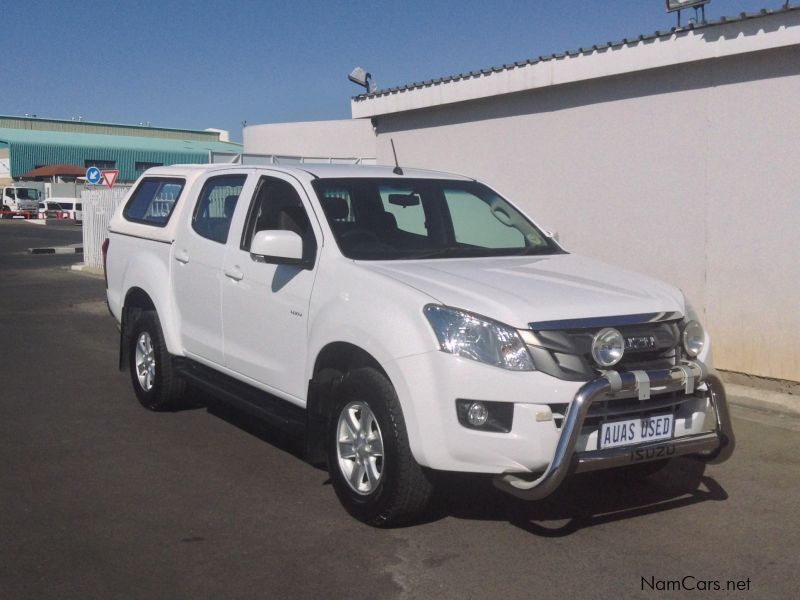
<point x="405" y="321"/>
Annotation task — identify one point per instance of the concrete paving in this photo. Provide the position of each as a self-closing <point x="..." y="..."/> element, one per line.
<point x="766" y="400"/>
<point x="102" y="499"/>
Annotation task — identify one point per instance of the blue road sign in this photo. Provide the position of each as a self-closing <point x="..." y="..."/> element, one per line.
<point x="93" y="175"/>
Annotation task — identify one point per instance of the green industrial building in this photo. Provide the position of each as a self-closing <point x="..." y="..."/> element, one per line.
<point x="28" y="143"/>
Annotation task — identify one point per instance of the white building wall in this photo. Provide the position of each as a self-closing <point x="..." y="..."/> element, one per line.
<point x="687" y="172"/>
<point x="337" y="139"/>
<point x="5" y="166"/>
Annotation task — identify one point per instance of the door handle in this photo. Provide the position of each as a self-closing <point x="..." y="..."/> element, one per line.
<point x="234" y="273"/>
<point x="182" y="256"/>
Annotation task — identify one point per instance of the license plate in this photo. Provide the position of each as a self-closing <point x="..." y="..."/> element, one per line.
<point x="635" y="431"/>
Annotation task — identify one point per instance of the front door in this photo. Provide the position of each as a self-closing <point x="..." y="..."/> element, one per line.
<point x="265" y="306"/>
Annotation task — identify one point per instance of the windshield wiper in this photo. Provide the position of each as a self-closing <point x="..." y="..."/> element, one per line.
<point x="467" y="252"/>
<point x="451" y="252"/>
<point x="438" y="253"/>
<point x="530" y="250"/>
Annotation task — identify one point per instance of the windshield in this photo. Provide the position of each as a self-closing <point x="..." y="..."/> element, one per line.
<point x="392" y="219"/>
<point x="27" y="194"/>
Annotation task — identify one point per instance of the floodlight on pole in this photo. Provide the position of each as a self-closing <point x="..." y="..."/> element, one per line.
<point x="699" y="7"/>
<point x="360" y="77"/>
<point x="673" y="5"/>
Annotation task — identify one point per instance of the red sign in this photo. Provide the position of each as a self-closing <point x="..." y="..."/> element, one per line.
<point x="109" y="177"/>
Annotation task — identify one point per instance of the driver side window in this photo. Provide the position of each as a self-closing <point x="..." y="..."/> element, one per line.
<point x="277" y="206"/>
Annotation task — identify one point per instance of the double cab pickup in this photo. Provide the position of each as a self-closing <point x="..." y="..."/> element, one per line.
<point x="405" y="322"/>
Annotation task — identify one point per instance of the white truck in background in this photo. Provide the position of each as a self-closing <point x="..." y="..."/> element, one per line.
<point x="20" y="200"/>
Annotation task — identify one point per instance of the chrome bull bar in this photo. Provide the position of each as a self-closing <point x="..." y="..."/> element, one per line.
<point x="711" y="447"/>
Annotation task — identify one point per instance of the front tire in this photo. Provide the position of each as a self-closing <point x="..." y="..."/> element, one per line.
<point x="158" y="387"/>
<point x="371" y="466"/>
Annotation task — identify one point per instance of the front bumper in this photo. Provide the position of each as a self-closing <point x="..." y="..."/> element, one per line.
<point x="713" y="447"/>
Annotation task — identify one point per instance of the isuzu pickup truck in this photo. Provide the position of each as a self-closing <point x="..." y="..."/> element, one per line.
<point x="405" y="321"/>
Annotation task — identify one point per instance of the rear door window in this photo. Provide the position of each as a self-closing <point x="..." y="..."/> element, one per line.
<point x="215" y="206"/>
<point x="154" y="200"/>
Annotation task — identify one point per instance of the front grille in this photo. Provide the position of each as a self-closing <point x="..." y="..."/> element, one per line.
<point x="631" y="408"/>
<point x="632" y="361"/>
<point x="612" y="409"/>
<point x="567" y="353"/>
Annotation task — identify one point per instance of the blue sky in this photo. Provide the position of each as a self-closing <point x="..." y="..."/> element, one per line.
<point x="215" y="64"/>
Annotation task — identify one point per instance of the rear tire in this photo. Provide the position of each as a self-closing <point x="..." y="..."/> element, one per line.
<point x="158" y="387"/>
<point x="370" y="463"/>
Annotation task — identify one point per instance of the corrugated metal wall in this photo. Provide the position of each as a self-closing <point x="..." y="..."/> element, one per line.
<point x="27" y="156"/>
<point x="106" y="129"/>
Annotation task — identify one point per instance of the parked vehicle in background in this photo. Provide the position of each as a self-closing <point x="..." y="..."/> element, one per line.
<point x="19" y="197"/>
<point x="59" y="208"/>
<point x="69" y="205"/>
<point x="405" y="321"/>
<point x="49" y="210"/>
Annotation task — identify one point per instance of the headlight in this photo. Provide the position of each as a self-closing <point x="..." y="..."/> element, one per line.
<point x="608" y="346"/>
<point x="468" y="335"/>
<point x="694" y="338"/>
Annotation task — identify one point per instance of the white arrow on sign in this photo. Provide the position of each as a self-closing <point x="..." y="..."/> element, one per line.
<point x="93" y="175"/>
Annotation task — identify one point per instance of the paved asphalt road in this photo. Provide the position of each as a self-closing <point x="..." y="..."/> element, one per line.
<point x="102" y="499"/>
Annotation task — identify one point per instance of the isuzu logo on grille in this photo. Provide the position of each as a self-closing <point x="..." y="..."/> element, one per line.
<point x="640" y="342"/>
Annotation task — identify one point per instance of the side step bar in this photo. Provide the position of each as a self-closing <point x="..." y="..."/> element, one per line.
<point x="259" y="404"/>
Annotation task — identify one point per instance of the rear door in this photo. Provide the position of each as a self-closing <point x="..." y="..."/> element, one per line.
<point x="265" y="306"/>
<point x="197" y="265"/>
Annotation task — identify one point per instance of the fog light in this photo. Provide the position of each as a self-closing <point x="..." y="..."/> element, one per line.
<point x="485" y="415"/>
<point x="477" y="414"/>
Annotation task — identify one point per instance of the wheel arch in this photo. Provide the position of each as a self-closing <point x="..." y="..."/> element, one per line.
<point x="332" y="362"/>
<point x="136" y="302"/>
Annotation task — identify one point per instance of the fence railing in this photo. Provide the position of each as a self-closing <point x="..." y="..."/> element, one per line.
<point x="99" y="205"/>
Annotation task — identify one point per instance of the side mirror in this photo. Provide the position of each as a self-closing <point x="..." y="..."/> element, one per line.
<point x="552" y="234"/>
<point x="279" y="247"/>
